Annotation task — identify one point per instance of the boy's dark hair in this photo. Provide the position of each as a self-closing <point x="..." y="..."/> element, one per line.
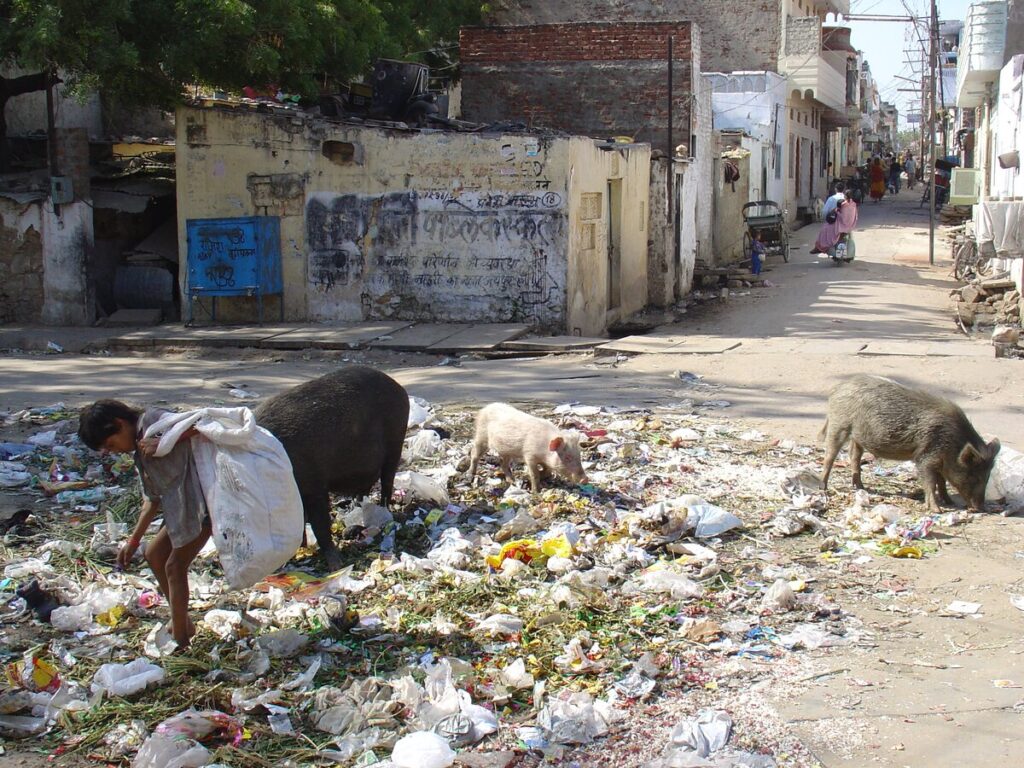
<point x="97" y="422"/>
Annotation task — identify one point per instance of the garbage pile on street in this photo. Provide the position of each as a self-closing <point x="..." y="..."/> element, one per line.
<point x="698" y="568"/>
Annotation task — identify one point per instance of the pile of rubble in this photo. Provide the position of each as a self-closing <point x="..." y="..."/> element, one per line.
<point x="985" y="303"/>
<point x="476" y="625"/>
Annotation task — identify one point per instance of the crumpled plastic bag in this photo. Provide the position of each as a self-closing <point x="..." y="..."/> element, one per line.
<point x="422" y="445"/>
<point x="1007" y="479"/>
<point x="576" y="718"/>
<point x="704" y="734"/>
<point x="423" y="749"/>
<point x="499" y="625"/>
<point x="419" y="412"/>
<point x="660" y="579"/>
<point x="419" y="486"/>
<point x="164" y="751"/>
<point x="126" y="679"/>
<point x="779" y="597"/>
<point x="283" y="644"/>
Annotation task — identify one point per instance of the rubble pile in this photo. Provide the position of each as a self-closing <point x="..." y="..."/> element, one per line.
<point x="985" y="303"/>
<point x="474" y="623"/>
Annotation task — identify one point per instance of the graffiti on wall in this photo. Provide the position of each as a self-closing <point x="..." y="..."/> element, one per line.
<point x="429" y="254"/>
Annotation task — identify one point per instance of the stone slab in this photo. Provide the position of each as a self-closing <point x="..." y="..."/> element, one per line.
<point x="675" y="345"/>
<point x="960" y="349"/>
<point x="134" y="318"/>
<point x="349" y="336"/>
<point x="480" y="338"/>
<point x="826" y="347"/>
<point x="417" y="338"/>
<point x="553" y="344"/>
<point x="218" y="336"/>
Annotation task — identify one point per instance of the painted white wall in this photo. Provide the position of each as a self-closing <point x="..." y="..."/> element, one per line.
<point x="1008" y="130"/>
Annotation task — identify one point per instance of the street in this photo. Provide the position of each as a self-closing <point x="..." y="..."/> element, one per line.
<point x="924" y="687"/>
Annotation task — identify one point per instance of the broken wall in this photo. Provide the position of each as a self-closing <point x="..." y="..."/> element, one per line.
<point x="21" y="260"/>
<point x="429" y="226"/>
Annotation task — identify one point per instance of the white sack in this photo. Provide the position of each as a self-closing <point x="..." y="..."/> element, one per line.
<point x="254" y="503"/>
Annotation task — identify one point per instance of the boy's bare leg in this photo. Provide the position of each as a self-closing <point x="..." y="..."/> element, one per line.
<point x="177" y="586"/>
<point x="157" y="552"/>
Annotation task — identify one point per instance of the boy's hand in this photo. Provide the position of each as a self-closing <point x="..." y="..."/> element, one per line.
<point x="126" y="553"/>
<point x="148" y="445"/>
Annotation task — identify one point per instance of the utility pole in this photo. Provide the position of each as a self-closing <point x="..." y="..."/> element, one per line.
<point x="933" y="62"/>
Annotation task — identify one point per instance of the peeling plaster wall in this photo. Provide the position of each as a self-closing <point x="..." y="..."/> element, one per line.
<point x="378" y="223"/>
<point x="21" y="262"/>
<point x="68" y="295"/>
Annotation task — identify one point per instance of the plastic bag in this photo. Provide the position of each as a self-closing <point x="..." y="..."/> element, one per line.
<point x="250" y="490"/>
<point x="419" y="486"/>
<point x="1007" y="479"/>
<point x="71" y="618"/>
<point x="422" y="445"/>
<point x="126" y="679"/>
<point x="704" y="734"/>
<point x="709" y="520"/>
<point x="163" y="751"/>
<point x="422" y="749"/>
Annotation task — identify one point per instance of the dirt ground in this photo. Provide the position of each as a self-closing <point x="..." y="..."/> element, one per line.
<point x="930" y="687"/>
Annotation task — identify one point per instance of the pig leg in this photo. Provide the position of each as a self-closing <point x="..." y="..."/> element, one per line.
<point x="833" y="443"/>
<point x="318" y="513"/>
<point x="506" y="468"/>
<point x="387" y="479"/>
<point x="930" y="477"/>
<point x="856" y="454"/>
<point x="943" y="492"/>
<point x="533" y="468"/>
<point x="479" y="449"/>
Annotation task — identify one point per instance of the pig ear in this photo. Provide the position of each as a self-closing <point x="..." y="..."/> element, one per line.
<point x="556" y="443"/>
<point x="970" y="455"/>
<point x="993" y="448"/>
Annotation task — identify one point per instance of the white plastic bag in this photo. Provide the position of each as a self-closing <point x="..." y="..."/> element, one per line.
<point x="422" y="749"/>
<point x="250" y="491"/>
<point x="165" y="751"/>
<point x="126" y="679"/>
<point x="1007" y="478"/>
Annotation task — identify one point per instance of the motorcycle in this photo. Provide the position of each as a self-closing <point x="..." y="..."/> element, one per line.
<point x="843" y="251"/>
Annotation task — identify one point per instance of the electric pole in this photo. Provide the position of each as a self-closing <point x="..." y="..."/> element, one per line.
<point x="933" y="62"/>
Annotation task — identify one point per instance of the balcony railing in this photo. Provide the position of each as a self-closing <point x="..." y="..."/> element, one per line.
<point x="815" y="78"/>
<point x="981" y="51"/>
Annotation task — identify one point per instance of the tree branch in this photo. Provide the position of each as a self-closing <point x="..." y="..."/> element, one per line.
<point x="15" y="86"/>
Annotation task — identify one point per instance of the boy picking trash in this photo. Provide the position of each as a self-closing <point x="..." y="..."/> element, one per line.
<point x="170" y="485"/>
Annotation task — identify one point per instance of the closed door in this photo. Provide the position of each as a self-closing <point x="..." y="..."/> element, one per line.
<point x="614" y="243"/>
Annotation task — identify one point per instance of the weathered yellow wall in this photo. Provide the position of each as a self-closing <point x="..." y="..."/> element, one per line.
<point x="414" y="225"/>
<point x="590" y="208"/>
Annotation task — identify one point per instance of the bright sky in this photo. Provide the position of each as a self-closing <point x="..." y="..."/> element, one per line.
<point x="883" y="43"/>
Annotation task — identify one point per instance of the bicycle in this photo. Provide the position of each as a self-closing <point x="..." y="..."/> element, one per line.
<point x="967" y="259"/>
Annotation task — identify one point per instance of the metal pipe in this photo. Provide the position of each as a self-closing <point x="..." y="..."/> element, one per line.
<point x="933" y="59"/>
<point x="671" y="150"/>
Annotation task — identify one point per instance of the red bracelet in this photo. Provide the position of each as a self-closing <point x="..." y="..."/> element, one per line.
<point x="135" y="541"/>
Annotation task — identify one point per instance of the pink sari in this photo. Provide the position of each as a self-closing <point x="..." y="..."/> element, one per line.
<point x="846" y="221"/>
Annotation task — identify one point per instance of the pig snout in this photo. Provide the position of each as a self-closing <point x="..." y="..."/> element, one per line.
<point x="567" y="452"/>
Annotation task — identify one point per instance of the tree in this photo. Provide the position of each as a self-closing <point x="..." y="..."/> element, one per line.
<point x="144" y="52"/>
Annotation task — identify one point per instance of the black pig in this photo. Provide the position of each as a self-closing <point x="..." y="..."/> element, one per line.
<point x="896" y="422"/>
<point x="343" y="432"/>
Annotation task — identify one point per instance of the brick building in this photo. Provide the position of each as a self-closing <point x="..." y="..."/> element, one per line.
<point x="610" y="80"/>
<point x="780" y="36"/>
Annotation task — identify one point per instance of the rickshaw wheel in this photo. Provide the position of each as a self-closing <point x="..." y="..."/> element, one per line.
<point x="748" y="246"/>
<point x="785" y="245"/>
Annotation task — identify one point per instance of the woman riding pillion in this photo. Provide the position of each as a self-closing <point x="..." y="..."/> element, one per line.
<point x="840" y="220"/>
